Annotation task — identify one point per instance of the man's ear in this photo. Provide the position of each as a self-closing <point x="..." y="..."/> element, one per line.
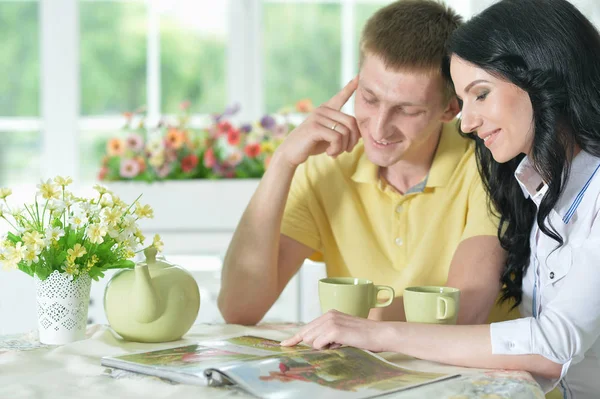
<point x="452" y="109"/>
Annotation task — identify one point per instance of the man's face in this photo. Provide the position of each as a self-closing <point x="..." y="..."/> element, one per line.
<point x="398" y="112"/>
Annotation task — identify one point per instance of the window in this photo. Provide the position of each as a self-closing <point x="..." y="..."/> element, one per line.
<point x="106" y="57"/>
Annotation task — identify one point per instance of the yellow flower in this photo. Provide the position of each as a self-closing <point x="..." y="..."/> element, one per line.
<point x="5" y="192"/>
<point x="33" y="240"/>
<point x="118" y="202"/>
<point x="144" y="211"/>
<point x="267" y="147"/>
<point x="48" y="190"/>
<point x="70" y="268"/>
<point x="138" y="234"/>
<point x="77" y="221"/>
<point x="114" y="233"/>
<point x="157" y="243"/>
<point x="157" y="160"/>
<point x="77" y="252"/>
<point x="106" y="201"/>
<point x="9" y="263"/>
<point x="54" y="234"/>
<point x="63" y="181"/>
<point x="112" y="216"/>
<point x="31" y="257"/>
<point x="96" y="233"/>
<point x="13" y="255"/>
<point x="91" y="262"/>
<point x="101" y="189"/>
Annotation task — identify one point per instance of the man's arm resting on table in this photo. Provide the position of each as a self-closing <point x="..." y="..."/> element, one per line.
<point x="258" y="262"/>
<point x="475" y="270"/>
<point x="254" y="297"/>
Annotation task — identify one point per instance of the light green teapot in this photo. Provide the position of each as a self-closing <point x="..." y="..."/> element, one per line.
<point x="155" y="302"/>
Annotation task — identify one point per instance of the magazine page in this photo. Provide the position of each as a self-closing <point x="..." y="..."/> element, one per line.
<point x="346" y="372"/>
<point x="186" y="364"/>
<point x="254" y="345"/>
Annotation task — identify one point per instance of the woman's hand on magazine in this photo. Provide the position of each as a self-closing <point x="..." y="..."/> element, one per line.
<point x="335" y="329"/>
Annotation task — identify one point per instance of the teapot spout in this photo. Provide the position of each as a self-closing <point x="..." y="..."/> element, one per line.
<point x="146" y="303"/>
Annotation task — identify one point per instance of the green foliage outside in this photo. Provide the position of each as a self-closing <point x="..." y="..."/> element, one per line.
<point x="302" y="46"/>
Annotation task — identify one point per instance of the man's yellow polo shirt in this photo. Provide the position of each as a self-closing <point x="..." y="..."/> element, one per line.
<point x="364" y="228"/>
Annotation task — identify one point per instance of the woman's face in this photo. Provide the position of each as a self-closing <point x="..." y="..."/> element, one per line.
<point x="496" y="110"/>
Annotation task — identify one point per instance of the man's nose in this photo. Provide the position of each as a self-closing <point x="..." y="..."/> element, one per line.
<point x="380" y="120"/>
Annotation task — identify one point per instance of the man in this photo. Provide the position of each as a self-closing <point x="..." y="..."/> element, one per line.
<point x="392" y="194"/>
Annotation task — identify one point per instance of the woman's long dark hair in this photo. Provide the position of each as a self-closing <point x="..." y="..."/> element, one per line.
<point x="551" y="51"/>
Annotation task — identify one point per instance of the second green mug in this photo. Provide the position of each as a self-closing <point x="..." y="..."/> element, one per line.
<point x="353" y="296"/>
<point x="431" y="304"/>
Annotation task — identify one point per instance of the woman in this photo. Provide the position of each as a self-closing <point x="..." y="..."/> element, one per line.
<point x="528" y="75"/>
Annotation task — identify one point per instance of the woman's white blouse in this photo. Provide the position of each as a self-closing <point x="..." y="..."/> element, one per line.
<point x="561" y="288"/>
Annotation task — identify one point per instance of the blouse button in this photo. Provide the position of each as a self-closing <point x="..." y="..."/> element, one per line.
<point x="551" y="275"/>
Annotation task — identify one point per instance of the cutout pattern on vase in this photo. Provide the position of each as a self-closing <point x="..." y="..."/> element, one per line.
<point x="62" y="307"/>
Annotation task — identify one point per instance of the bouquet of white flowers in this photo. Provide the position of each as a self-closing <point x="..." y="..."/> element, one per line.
<point x="72" y="235"/>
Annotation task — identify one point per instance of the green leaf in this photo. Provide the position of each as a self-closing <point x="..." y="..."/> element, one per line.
<point x="25" y="268"/>
<point x="96" y="273"/>
<point x="42" y="271"/>
<point x="71" y="238"/>
<point x="123" y="264"/>
<point x="61" y="257"/>
<point x="12" y="238"/>
<point x="114" y="164"/>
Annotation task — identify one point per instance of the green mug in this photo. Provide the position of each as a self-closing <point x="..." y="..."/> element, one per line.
<point x="353" y="296"/>
<point x="431" y="304"/>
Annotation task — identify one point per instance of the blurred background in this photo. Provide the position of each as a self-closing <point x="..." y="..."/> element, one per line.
<point x="70" y="69"/>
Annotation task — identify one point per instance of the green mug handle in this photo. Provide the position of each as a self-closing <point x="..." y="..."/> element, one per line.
<point x="387" y="288"/>
<point x="445" y="308"/>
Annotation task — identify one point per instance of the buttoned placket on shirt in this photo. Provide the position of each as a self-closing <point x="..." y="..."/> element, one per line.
<point x="537" y="289"/>
<point x="400" y="204"/>
<point x="536" y="304"/>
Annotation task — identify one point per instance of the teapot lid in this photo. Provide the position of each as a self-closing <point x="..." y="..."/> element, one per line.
<point x="152" y="260"/>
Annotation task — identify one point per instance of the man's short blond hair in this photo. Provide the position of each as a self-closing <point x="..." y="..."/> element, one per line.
<point x="411" y="35"/>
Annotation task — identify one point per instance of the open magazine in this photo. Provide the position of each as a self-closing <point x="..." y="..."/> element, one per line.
<point x="266" y="370"/>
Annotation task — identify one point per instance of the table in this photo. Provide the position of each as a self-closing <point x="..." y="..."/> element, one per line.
<point x="30" y="370"/>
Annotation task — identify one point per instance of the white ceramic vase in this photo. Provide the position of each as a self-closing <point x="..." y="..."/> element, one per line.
<point x="62" y="306"/>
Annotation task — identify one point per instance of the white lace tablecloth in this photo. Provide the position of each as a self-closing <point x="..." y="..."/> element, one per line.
<point x="30" y="370"/>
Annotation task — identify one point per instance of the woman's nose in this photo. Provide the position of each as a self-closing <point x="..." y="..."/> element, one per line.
<point x="469" y="121"/>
